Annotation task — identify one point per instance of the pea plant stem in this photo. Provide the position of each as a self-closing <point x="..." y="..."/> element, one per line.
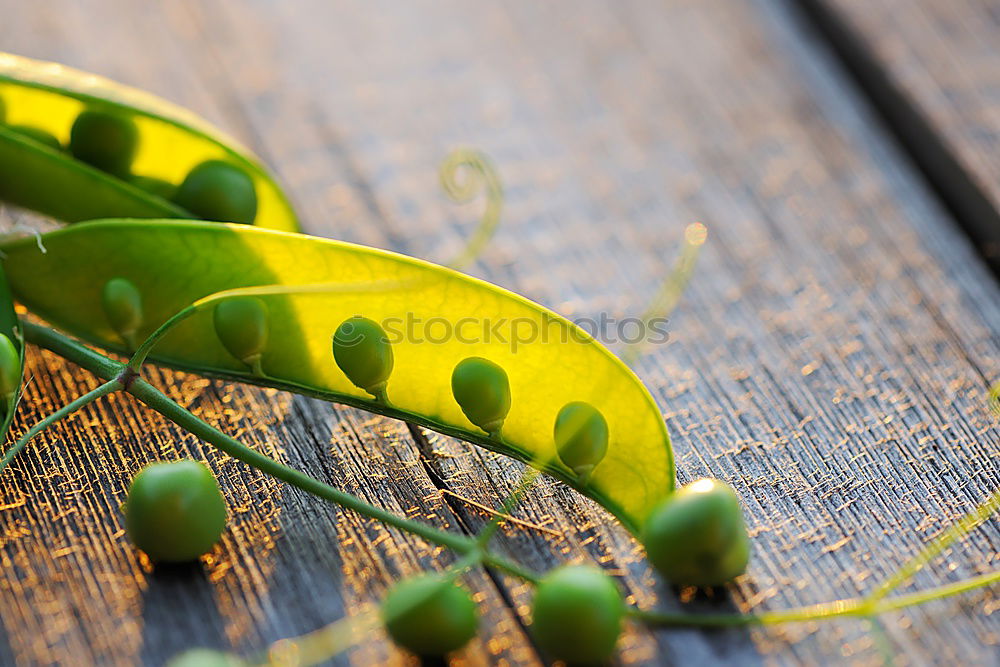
<point x="153" y="398"/>
<point x="855" y="607"/>
<point x="105" y="389"/>
<point x="938" y="545"/>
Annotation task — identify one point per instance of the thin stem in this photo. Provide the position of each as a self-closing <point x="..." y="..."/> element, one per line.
<point x="935" y="547"/>
<point x="65" y="411"/>
<point x="139" y="357"/>
<point x="670" y="291"/>
<point x="853" y="607"/>
<point x="480" y="176"/>
<point x="146" y="393"/>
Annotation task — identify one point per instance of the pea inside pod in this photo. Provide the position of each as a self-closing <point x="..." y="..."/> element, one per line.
<point x="123" y="145"/>
<point x="242" y="326"/>
<point x="362" y="350"/>
<point x="428" y="313"/>
<point x="38" y="135"/>
<point x="122" y="304"/>
<point x="482" y="389"/>
<point x="105" y="140"/>
<point x="581" y="435"/>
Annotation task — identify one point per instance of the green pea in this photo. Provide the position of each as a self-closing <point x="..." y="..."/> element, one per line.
<point x="241" y="323"/>
<point x="157" y="186"/>
<point x="217" y="190"/>
<point x="697" y="536"/>
<point x="10" y="369"/>
<point x="123" y="307"/>
<point x="204" y="657"/>
<point x="105" y="140"/>
<point x="577" y="614"/>
<point x="429" y="616"/>
<point x="581" y="435"/>
<point x="483" y="392"/>
<point x="175" y="511"/>
<point x="362" y="350"/>
<point x="37" y="134"/>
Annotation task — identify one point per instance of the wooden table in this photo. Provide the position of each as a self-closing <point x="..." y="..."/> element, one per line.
<point x="831" y="358"/>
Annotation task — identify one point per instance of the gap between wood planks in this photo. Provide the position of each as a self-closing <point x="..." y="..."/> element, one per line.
<point x="916" y="136"/>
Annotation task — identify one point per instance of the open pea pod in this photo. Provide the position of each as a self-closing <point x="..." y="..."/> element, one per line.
<point x="444" y="337"/>
<point x="11" y="358"/>
<point x="77" y="146"/>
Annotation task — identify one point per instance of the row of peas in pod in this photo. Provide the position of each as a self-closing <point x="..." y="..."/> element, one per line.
<point x="362" y="350"/>
<point x="109" y="140"/>
<point x="76" y="146"/>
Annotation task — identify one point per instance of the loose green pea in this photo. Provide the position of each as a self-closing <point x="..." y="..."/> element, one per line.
<point x="217" y="190"/>
<point x="104" y="140"/>
<point x="37" y="134"/>
<point x="123" y="307"/>
<point x="157" y="186"/>
<point x="10" y="369"/>
<point x="483" y="392"/>
<point x="581" y="435"/>
<point x="697" y="536"/>
<point x="241" y="323"/>
<point x="204" y="657"/>
<point x="428" y="616"/>
<point x="175" y="511"/>
<point x="362" y="350"/>
<point x="577" y="614"/>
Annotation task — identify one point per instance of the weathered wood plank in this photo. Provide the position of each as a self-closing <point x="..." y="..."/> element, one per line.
<point x="830" y="360"/>
<point x="931" y="69"/>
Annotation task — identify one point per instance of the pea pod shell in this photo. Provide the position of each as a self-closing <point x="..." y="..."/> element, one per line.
<point x="174" y="264"/>
<point x="172" y="141"/>
<point x="11" y="358"/>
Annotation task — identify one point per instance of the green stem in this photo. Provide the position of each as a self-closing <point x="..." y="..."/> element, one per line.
<point x="105" y="389"/>
<point x="669" y="294"/>
<point x="854" y="607"/>
<point x="139" y="357"/>
<point x="481" y="176"/>
<point x="152" y="397"/>
<point x="935" y="547"/>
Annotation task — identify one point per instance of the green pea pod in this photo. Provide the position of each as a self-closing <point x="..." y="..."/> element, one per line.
<point x="433" y="318"/>
<point x="11" y="358"/>
<point x="122" y="140"/>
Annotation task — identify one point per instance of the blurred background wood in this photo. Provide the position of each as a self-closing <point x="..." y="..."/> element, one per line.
<point x="831" y="358"/>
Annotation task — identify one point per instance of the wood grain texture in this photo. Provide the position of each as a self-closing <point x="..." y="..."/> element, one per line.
<point x="932" y="69"/>
<point x="830" y="359"/>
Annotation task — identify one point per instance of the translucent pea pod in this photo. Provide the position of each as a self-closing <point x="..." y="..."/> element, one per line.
<point x="362" y="350"/>
<point x="581" y="435"/>
<point x="11" y="358"/>
<point x="482" y="389"/>
<point x="118" y="137"/>
<point x="435" y="318"/>
<point x="242" y="326"/>
<point x="122" y="304"/>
